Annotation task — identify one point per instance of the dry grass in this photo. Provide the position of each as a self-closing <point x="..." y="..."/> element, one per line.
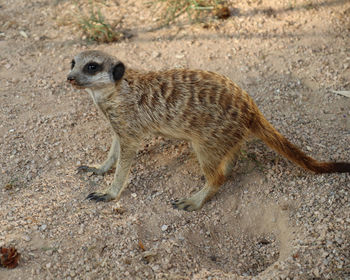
<point x="95" y="26"/>
<point x="196" y="10"/>
<point x="90" y="18"/>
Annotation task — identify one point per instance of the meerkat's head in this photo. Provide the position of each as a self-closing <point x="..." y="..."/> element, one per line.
<point x="94" y="70"/>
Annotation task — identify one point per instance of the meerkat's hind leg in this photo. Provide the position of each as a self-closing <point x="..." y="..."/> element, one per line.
<point x="197" y="200"/>
<point x="214" y="173"/>
<point x="229" y="161"/>
<point x="107" y="164"/>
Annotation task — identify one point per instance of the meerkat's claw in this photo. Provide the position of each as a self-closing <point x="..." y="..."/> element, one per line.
<point x="99" y="197"/>
<point x="85" y="168"/>
<point x="173" y="203"/>
<point x="184" y="204"/>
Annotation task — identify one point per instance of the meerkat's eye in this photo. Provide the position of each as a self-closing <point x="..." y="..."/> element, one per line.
<point x="92" y="68"/>
<point x="72" y="64"/>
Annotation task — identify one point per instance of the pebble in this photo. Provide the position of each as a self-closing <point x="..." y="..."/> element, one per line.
<point x="179" y="56"/>
<point x="155" y="54"/>
<point x="23" y="34"/>
<point x="164" y="227"/>
<point x="26" y="238"/>
<point x="43" y="227"/>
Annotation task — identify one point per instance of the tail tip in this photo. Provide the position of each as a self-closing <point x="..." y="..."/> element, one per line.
<point x="337" y="167"/>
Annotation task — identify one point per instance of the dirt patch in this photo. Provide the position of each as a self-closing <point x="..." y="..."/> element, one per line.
<point x="270" y="220"/>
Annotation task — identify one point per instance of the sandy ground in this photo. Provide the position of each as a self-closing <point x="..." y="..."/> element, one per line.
<point x="271" y="220"/>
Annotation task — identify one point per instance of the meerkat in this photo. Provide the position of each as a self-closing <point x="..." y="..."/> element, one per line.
<point x="204" y="108"/>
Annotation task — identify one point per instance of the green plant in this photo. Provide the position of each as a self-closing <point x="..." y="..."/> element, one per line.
<point x="96" y="28"/>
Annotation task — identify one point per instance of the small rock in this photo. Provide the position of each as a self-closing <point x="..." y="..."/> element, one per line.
<point x="155" y="267"/>
<point x="316" y="272"/>
<point x="26" y="238"/>
<point x="164" y="227"/>
<point x="179" y="56"/>
<point x="155" y="54"/>
<point x="49" y="252"/>
<point x="48" y="265"/>
<point x="23" y="34"/>
<point x="81" y="230"/>
<point x="339" y="240"/>
<point x="43" y="227"/>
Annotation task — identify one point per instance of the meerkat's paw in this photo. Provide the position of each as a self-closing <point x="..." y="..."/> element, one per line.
<point x="185" y="204"/>
<point x="85" y="168"/>
<point x="97" y="196"/>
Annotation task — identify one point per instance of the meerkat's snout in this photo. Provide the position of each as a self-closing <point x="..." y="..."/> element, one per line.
<point x="71" y="79"/>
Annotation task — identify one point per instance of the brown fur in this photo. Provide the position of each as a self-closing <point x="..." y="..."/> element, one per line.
<point x="205" y="108"/>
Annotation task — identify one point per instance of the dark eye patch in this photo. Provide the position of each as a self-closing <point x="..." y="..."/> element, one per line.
<point x="92" y="68"/>
<point x="72" y="64"/>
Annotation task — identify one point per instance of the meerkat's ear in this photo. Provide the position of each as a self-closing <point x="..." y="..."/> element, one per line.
<point x="118" y="71"/>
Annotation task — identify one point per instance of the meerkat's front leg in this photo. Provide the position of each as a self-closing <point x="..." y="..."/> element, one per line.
<point x="112" y="158"/>
<point x="126" y="156"/>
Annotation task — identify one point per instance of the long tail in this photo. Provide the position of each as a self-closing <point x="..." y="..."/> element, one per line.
<point x="266" y="132"/>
